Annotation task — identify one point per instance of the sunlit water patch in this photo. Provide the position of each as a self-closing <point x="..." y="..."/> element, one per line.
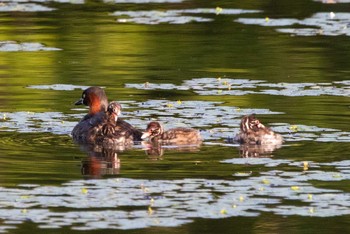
<point x="198" y="114"/>
<point x="65" y="87"/>
<point x="143" y="1"/>
<point x="206" y="115"/>
<point x="13" y="46"/>
<point x="202" y="115"/>
<point x="131" y="203"/>
<point x="45" y="1"/>
<point x="54" y="122"/>
<point x="63" y="1"/>
<point x="333" y="1"/>
<point x="236" y="87"/>
<point x="322" y="23"/>
<point x="173" y="16"/>
<point x="214" y="120"/>
<point x="23" y="7"/>
<point x="301" y="132"/>
<point x="156" y="17"/>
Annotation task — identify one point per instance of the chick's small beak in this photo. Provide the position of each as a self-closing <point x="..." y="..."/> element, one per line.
<point x="145" y="135"/>
<point x="79" y="102"/>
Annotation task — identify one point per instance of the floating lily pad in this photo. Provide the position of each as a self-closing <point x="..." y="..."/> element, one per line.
<point x="9" y="46"/>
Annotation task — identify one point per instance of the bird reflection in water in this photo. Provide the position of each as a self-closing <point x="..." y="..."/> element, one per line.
<point x="257" y="151"/>
<point x="156" y="150"/>
<point x="101" y="162"/>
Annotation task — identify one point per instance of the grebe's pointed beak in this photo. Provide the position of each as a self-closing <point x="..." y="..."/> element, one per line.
<point x="79" y="102"/>
<point x="145" y="135"/>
